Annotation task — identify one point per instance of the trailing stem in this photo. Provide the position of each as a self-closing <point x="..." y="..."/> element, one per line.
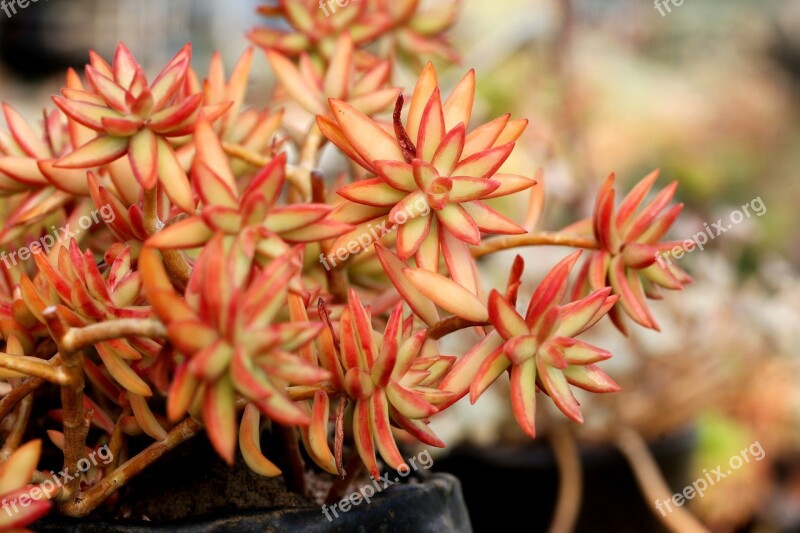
<point x="96" y="495"/>
<point x="652" y="483"/>
<point x="540" y="238"/>
<point x="570" y="483"/>
<point x="450" y="325"/>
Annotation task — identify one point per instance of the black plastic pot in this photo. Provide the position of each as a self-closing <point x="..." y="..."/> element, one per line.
<point x="519" y="485"/>
<point x="205" y="495"/>
<point x="433" y="506"/>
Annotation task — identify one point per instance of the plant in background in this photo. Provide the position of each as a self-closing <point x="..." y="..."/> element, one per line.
<point x="201" y="305"/>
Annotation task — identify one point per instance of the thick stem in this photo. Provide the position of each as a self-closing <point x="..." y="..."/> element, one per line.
<point x="32" y="366"/>
<point x="338" y="284"/>
<point x="21" y="391"/>
<point x="121" y="476"/>
<point x="76" y="422"/>
<point x="652" y="483"/>
<point x="570" y="483"/>
<point x="78" y="338"/>
<point x="542" y="238"/>
<point x="173" y="261"/>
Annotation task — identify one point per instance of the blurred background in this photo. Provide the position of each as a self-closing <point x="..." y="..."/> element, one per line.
<point x="709" y="92"/>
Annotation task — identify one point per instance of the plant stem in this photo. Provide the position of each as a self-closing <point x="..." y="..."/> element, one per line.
<point x="450" y="325"/>
<point x="570" y="484"/>
<point x="121" y="476"/>
<point x="250" y="157"/>
<point x="306" y="392"/>
<point x="294" y="173"/>
<point x="338" y="284"/>
<point x="117" y="441"/>
<point x="10" y="400"/>
<point x="173" y="261"/>
<point x="338" y="434"/>
<point x="78" y="338"/>
<point x="311" y="146"/>
<point x="14" y="439"/>
<point x="298" y="175"/>
<point x="652" y="483"/>
<point x="76" y="421"/>
<point x="540" y="238"/>
<point x="354" y="469"/>
<point x="294" y="473"/>
<point x="31" y="366"/>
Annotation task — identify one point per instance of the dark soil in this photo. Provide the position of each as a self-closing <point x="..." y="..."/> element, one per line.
<point x="192" y="481"/>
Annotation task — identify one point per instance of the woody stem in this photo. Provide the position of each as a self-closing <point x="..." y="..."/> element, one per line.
<point x="77" y="338"/>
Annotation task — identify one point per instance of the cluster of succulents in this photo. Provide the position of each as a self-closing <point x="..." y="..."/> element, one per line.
<point x="202" y="303"/>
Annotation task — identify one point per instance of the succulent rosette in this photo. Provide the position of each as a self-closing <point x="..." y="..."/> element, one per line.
<point x="226" y="210"/>
<point x="251" y="129"/>
<point x="365" y="91"/>
<point x="391" y="380"/>
<point x="431" y="176"/>
<point x="21" y="150"/>
<point x="414" y="30"/>
<point x="134" y="117"/>
<point x="629" y="259"/>
<point x="421" y="27"/>
<point x="539" y="350"/>
<point x="315" y="30"/>
<point x="230" y="331"/>
<point x="70" y="282"/>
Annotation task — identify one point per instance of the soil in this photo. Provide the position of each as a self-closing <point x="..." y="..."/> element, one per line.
<point x="193" y="481"/>
<point x="191" y="490"/>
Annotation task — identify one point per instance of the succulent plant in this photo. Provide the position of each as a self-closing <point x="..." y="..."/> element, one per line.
<point x="430" y="175"/>
<point x="225" y="211"/>
<point x="199" y="303"/>
<point x="22" y="502"/>
<point x="365" y="90"/>
<point x="630" y="248"/>
<point x="135" y="118"/>
<point x="540" y="349"/>
<point x="315" y="27"/>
